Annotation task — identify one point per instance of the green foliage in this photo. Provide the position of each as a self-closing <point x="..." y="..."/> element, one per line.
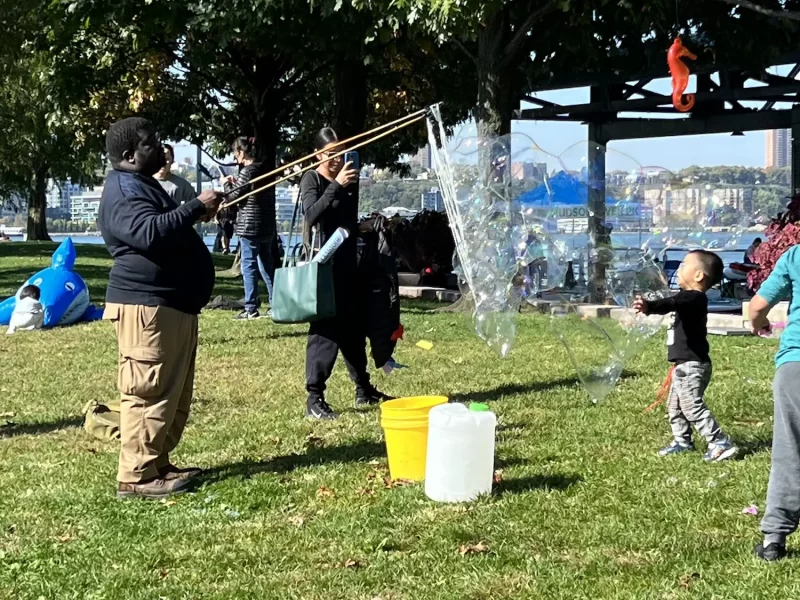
<point x="771" y="188"/>
<point x="376" y="195"/>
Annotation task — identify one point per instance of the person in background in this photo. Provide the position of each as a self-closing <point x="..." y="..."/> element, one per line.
<point x="783" y="492"/>
<point x="330" y="200"/>
<point x="177" y="187"/>
<point x="225" y="226"/>
<point x="162" y="277"/>
<point x="255" y="225"/>
<point x="28" y="313"/>
<point x="750" y="253"/>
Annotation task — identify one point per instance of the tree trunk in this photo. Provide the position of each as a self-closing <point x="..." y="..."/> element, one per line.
<point x="463" y="304"/>
<point x="37" y="207"/>
<point x="350" y="113"/>
<point x="496" y="81"/>
<point x="496" y="101"/>
<point x="236" y="267"/>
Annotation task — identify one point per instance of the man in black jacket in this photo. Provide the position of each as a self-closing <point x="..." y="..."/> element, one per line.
<point x="162" y="276"/>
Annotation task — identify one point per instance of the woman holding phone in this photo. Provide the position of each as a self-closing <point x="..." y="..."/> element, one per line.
<point x="330" y="200"/>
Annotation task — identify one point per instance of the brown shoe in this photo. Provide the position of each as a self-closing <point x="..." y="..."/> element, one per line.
<point x="172" y="472"/>
<point x="155" y="489"/>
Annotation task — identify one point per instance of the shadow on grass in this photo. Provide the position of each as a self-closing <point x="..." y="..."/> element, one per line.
<point x="513" y="389"/>
<point x="14" y="429"/>
<point x="559" y="482"/>
<point x="349" y="453"/>
<point x="752" y="446"/>
<point x="511" y="428"/>
<point x="250" y="338"/>
<point x="510" y="461"/>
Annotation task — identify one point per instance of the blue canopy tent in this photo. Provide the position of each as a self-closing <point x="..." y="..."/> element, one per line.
<point x="562" y="189"/>
<point x="566" y="196"/>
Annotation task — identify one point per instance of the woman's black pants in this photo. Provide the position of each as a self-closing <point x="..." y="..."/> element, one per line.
<point x="345" y="333"/>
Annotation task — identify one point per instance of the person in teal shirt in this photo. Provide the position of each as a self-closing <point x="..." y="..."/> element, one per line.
<point x="783" y="493"/>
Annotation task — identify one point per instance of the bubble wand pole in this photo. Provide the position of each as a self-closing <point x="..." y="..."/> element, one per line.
<point x="318" y="163"/>
<point x="283" y="168"/>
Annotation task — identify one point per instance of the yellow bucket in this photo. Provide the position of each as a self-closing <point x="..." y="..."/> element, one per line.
<point x="405" y="427"/>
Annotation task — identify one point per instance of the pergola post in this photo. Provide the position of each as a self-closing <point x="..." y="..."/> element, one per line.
<point x="795" y="150"/>
<point x="599" y="236"/>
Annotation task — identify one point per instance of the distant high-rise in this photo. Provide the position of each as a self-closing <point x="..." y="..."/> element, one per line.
<point x="432" y="200"/>
<point x="423" y="158"/>
<point x="779" y="149"/>
<point x="59" y="198"/>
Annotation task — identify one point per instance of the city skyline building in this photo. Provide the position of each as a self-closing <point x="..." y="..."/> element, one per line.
<point x="778" y="149"/>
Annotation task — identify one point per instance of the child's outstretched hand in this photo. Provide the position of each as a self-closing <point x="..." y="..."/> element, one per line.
<point x="765" y="331"/>
<point x="640" y="305"/>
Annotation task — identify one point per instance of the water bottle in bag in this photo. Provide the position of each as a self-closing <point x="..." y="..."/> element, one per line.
<point x="332" y="245"/>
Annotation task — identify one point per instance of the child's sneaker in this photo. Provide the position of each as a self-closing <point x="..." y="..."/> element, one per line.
<point x="720" y="451"/>
<point x="676" y="448"/>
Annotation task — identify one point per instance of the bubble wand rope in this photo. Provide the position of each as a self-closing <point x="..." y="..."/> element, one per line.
<point x="444" y="170"/>
<point x="663" y="391"/>
<point x="283" y="168"/>
<point x="294" y="174"/>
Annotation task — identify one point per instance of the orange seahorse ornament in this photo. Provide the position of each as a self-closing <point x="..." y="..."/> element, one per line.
<point x="680" y="75"/>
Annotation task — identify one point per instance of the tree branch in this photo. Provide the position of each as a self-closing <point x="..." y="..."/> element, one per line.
<point x="289" y="86"/>
<point x="465" y="50"/>
<point x="210" y="79"/>
<point x="767" y="12"/>
<point x="517" y="43"/>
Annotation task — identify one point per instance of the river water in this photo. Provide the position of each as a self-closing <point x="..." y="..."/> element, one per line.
<point x="577" y="243"/>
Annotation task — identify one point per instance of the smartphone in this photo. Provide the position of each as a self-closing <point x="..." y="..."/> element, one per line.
<point x="352" y="157"/>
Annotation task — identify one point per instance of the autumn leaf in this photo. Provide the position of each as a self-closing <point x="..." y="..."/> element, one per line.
<point x="376" y="474"/>
<point x="351" y="564"/>
<point x="365" y="492"/>
<point x="325" y="492"/>
<point x="67" y="537"/>
<point x="389" y="483"/>
<point x="687" y="580"/>
<point x="479" y="548"/>
<point x="163" y="573"/>
<point x="498" y="476"/>
<point x="297" y="521"/>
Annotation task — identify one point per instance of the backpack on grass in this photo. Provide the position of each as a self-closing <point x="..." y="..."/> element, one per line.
<point x="102" y="419"/>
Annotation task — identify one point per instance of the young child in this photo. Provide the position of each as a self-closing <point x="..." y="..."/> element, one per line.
<point x="28" y="313"/>
<point x="689" y="353"/>
<point x="783" y="493"/>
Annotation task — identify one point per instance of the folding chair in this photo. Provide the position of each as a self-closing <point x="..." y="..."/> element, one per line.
<point x="671" y="273"/>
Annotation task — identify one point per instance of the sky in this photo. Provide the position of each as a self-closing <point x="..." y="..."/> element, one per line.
<point x="672" y="153"/>
<point x="568" y="140"/>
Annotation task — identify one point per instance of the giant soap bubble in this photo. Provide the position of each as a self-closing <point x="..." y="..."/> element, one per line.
<point x="604" y="220"/>
<point x="547" y="235"/>
<point x="687" y="215"/>
<point x="502" y="256"/>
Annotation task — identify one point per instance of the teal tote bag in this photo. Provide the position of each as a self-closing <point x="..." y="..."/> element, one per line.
<point x="302" y="291"/>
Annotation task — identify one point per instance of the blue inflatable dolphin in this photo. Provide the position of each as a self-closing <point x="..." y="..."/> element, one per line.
<point x="64" y="294"/>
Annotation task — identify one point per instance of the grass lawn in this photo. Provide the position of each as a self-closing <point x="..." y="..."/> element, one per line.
<point x="295" y="509"/>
